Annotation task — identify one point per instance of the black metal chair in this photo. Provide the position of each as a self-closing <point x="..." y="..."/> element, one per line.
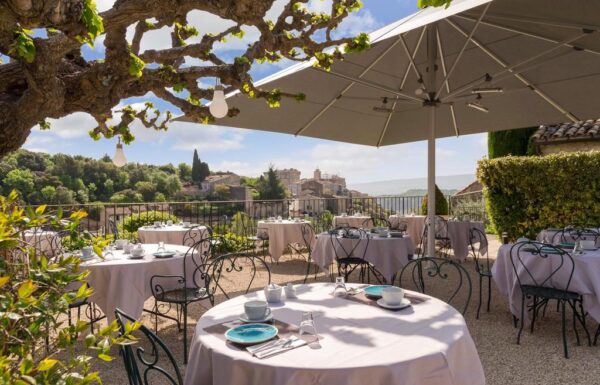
<point x="442" y="241"/>
<point x="419" y="273"/>
<point x="182" y="290"/>
<point x="483" y="265"/>
<point x="195" y="234"/>
<point x="572" y="234"/>
<point x="142" y="365"/>
<point x="112" y="227"/>
<point x="376" y="221"/>
<point x="349" y="257"/>
<point x="308" y="235"/>
<point x="233" y="267"/>
<point x="543" y="285"/>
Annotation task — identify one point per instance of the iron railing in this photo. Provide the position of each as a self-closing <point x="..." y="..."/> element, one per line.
<point x="215" y="213"/>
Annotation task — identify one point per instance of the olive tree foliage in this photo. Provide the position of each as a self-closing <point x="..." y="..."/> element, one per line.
<point x="47" y="76"/>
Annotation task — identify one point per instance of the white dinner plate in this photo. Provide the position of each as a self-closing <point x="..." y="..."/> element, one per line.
<point x="405" y="303"/>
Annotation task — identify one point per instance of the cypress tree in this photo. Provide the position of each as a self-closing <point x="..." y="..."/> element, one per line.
<point x="196" y="168"/>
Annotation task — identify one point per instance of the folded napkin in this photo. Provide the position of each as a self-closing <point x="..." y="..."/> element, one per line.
<point x="274" y="347"/>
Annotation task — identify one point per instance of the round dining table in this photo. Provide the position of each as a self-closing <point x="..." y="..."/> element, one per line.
<point x="358" y="221"/>
<point x="388" y="254"/>
<point x="168" y="234"/>
<point x="124" y="283"/>
<point x="282" y="233"/>
<point x="427" y="343"/>
<point x="42" y="240"/>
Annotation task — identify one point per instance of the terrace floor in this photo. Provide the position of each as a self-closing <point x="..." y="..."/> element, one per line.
<point x="538" y="360"/>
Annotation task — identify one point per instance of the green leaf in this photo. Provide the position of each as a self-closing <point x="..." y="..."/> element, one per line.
<point x="26" y="289"/>
<point x="4" y="280"/>
<point x="46" y="364"/>
<point x="92" y="21"/>
<point x="105" y="357"/>
<point x="23" y="46"/>
<point x="136" y="65"/>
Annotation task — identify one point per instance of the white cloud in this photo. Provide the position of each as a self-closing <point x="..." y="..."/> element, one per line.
<point x="362" y="21"/>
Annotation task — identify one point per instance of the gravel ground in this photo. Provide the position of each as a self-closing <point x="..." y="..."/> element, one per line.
<point x="537" y="360"/>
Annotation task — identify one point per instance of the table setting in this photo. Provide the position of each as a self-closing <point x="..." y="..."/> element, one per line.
<point x="357" y="220"/>
<point x="324" y="333"/>
<point x="167" y="232"/>
<point x="121" y="277"/>
<point x="281" y="233"/>
<point x="389" y="251"/>
<point x="585" y="280"/>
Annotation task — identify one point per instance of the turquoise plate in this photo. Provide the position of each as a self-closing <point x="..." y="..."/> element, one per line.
<point x="250" y="334"/>
<point x="375" y="290"/>
<point x="566" y="245"/>
<point x="545" y="250"/>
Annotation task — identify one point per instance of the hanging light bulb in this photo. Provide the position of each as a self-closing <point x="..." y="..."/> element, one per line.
<point x="218" y="106"/>
<point x="119" y="158"/>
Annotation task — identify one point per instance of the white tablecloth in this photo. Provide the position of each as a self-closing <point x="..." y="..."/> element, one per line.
<point x="358" y="221"/>
<point x="282" y="234"/>
<point x="585" y="281"/>
<point x="458" y="232"/>
<point x="550" y="236"/>
<point x="427" y="344"/>
<point x="125" y="283"/>
<point x="167" y="234"/>
<point x="40" y="239"/>
<point x="388" y="255"/>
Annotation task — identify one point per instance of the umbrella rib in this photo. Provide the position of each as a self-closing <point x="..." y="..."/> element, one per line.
<point x="443" y="63"/>
<point x="520" y="77"/>
<point x="414" y="55"/>
<point x="387" y="123"/>
<point x="530" y="34"/>
<point x="468" y="39"/>
<point x="410" y="57"/>
<point x="510" y="70"/>
<point x="347" y="88"/>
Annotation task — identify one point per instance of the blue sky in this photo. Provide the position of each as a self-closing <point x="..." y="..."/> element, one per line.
<point x="250" y="152"/>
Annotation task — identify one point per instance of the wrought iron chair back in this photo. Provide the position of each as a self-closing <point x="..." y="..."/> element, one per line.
<point x="219" y="271"/>
<point x="479" y="248"/>
<point x="525" y="255"/>
<point x="379" y="221"/>
<point x="308" y="236"/>
<point x="418" y="274"/>
<point x="574" y="234"/>
<point x="142" y="363"/>
<point x="337" y="236"/>
<point x="112" y="227"/>
<point x="196" y="234"/>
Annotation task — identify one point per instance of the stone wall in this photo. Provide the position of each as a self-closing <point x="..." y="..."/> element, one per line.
<point x="580" y="145"/>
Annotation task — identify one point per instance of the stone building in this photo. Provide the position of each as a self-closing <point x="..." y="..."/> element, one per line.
<point x="568" y="137"/>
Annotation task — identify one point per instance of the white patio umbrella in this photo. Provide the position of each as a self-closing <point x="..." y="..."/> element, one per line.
<point x="477" y="66"/>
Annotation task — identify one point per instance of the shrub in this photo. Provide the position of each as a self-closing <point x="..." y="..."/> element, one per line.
<point x="511" y="142"/>
<point x="441" y="204"/>
<point x="131" y="223"/>
<point x="38" y="346"/>
<point x="94" y="210"/>
<point x="527" y="194"/>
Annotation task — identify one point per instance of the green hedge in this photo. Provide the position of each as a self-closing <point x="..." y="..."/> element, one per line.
<point x="511" y="142"/>
<point x="441" y="203"/>
<point x="527" y="194"/>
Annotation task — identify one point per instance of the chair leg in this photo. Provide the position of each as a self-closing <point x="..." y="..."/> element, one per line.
<point x="534" y="308"/>
<point x="522" y="319"/>
<point x="596" y="335"/>
<point x="479" y="304"/>
<point x="185" y="347"/>
<point x="489" y="293"/>
<point x="564" y="328"/>
<point x="575" y="323"/>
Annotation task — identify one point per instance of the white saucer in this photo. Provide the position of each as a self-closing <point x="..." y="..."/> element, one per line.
<point x="245" y="319"/>
<point x="405" y="303"/>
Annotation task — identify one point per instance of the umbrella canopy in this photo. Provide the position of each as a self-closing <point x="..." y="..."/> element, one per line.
<point x="476" y="66"/>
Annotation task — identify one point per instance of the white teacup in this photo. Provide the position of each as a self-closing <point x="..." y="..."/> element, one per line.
<point x="392" y="295"/>
<point x="120" y="243"/>
<point x="587" y="244"/>
<point x="256" y="310"/>
<point x="86" y="252"/>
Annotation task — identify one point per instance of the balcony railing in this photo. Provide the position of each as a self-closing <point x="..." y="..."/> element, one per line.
<point x="215" y="213"/>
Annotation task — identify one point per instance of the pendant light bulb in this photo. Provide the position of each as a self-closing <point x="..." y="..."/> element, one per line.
<point x="218" y="106"/>
<point x="119" y="159"/>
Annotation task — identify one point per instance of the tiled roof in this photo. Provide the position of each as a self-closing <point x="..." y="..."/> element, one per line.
<point x="590" y="129"/>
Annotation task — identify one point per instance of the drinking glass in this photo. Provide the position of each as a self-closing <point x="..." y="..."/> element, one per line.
<point x="340" y="287"/>
<point x="161" y="246"/>
<point x="307" y="325"/>
<point x="108" y="251"/>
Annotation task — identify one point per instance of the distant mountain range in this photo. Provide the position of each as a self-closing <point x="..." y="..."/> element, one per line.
<point x="414" y="186"/>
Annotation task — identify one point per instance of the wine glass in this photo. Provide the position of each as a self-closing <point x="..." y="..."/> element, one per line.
<point x="161" y="247"/>
<point x="340" y="289"/>
<point x="307" y="325"/>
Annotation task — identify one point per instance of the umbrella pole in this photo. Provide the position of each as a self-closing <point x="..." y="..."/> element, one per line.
<point x="431" y="184"/>
<point x="431" y="56"/>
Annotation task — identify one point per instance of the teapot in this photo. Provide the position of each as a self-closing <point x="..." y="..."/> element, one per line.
<point x="273" y="293"/>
